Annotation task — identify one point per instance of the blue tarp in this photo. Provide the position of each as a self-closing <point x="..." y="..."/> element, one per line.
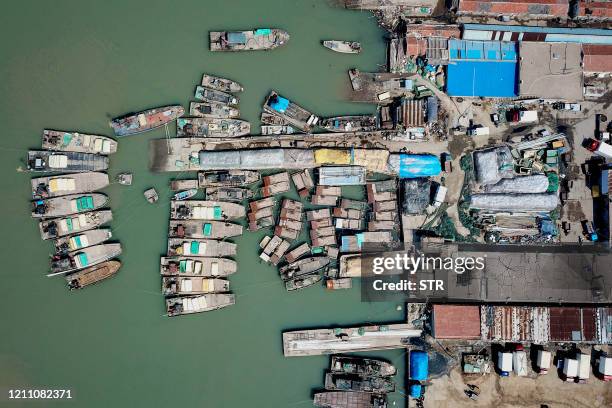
<point x="419" y="365"/>
<point x="279" y="104"/>
<point x="236" y="38"/>
<point x="482" y="78"/>
<point x="263" y="31"/>
<point x="416" y="390"/>
<point x="418" y="165"/>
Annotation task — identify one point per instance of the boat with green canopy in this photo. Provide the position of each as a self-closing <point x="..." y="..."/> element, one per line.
<point x="66" y="205"/>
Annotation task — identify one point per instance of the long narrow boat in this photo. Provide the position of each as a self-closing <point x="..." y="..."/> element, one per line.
<point x="203" y="229"/>
<point x="201" y="303"/>
<point x="351" y="382"/>
<point x="227" y="178"/>
<point x="351" y="123"/>
<point x="213" y="110"/>
<point x="185" y="194"/>
<point x="179" y="285"/>
<point x="92" y="275"/>
<point x="66" y="205"/>
<point x="212" y="127"/>
<point x="205" y="210"/>
<point x="221" y="84"/>
<point x="234" y="194"/>
<point x="305" y="266"/>
<point x="196" y="266"/>
<point x="347" y="399"/>
<point x="83" y="258"/>
<point x="365" y="367"/>
<point x="210" y="95"/>
<point x="68" y="162"/>
<point x="345" y="47"/>
<point x="252" y="40"/>
<point x="302" y="282"/>
<point x="60" y="227"/>
<point x="54" y="186"/>
<point x="150" y="119"/>
<point x="82" y="240"/>
<point x="200" y="247"/>
<point x="77" y="142"/>
<point x="187" y="184"/>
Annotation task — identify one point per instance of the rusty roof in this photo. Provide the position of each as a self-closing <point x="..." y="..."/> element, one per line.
<point x="597" y="58"/>
<point x="573" y="323"/>
<point x="597" y="9"/>
<point x="557" y="8"/>
<point x="456" y="322"/>
<point x="416" y="36"/>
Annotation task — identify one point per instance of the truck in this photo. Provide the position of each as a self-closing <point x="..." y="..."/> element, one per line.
<point x="523" y="116"/>
<point x="584" y="367"/>
<point x="600" y="148"/>
<point x="519" y="361"/>
<point x="589" y="231"/>
<point x="478" y="131"/>
<point x="570" y="369"/>
<point x="543" y="361"/>
<point x="504" y="363"/>
<point x="605" y="368"/>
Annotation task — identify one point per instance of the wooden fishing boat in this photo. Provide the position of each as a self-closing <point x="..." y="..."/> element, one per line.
<point x="151" y="195"/>
<point x="180" y="285"/>
<point x="345" y="47"/>
<point x="206" y="210"/>
<point x="365" y="367"/>
<point x="210" y="95"/>
<point x="351" y="123"/>
<point x="292" y="113"/>
<point x="92" y="275"/>
<point x="305" y="266"/>
<point x="197" y="266"/>
<point x="221" y="84"/>
<point x="351" y="382"/>
<point x="185" y="194"/>
<point x="83" y="258"/>
<point x="201" y="303"/>
<point x="59" y="227"/>
<point x="227" y="178"/>
<point x="213" y="110"/>
<point x="77" y="142"/>
<point x="125" y="179"/>
<point x="203" y="229"/>
<point x="212" y="127"/>
<point x="302" y="282"/>
<point x="347" y="399"/>
<point x="67" y="162"/>
<point x="146" y="120"/>
<point x="54" y="186"/>
<point x="339" y="283"/>
<point x="178" y="185"/>
<point x="235" y="194"/>
<point x="200" y="247"/>
<point x="66" y="205"/>
<point x="82" y="240"/>
<point x="252" y="40"/>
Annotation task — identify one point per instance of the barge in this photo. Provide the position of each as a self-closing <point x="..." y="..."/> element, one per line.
<point x="77" y="142"/>
<point x="252" y="40"/>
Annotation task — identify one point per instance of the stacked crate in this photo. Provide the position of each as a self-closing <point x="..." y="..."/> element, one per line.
<point x="382" y="195"/>
<point x="350" y="214"/>
<point x="261" y="213"/>
<point x="303" y="182"/>
<point x="275" y="184"/>
<point x="326" y="195"/>
<point x="290" y="220"/>
<point x="274" y="248"/>
<point x="322" y="231"/>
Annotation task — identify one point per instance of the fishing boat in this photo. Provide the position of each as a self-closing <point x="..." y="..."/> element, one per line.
<point x="211" y="95"/>
<point x="305" y="266"/>
<point x="206" y="210"/>
<point x="365" y="367"/>
<point x="200" y="247"/>
<point x="290" y="112"/>
<point x="68" y="162"/>
<point x="344" y="399"/>
<point x="351" y="123"/>
<point x="150" y="119"/>
<point x="66" y="205"/>
<point x="196" y="266"/>
<point x="180" y="285"/>
<point x="302" y="282"/>
<point x="227" y="178"/>
<point x="203" y="229"/>
<point x="345" y="47"/>
<point x="93" y="274"/>
<point x="267" y="130"/>
<point x="77" y="142"/>
<point x="213" y="110"/>
<point x="201" y="303"/>
<point x="351" y="382"/>
<point x="82" y="240"/>
<point x="59" y="227"/>
<point x="188" y="184"/>
<point x="125" y="179"/>
<point x="151" y="195"/>
<point x="221" y="84"/>
<point x="253" y="40"/>
<point x="235" y="194"/>
<point x="271" y="119"/>
<point x="339" y="283"/>
<point x="82" y="258"/>
<point x="212" y="127"/>
<point x="54" y="186"/>
<point x="185" y="194"/>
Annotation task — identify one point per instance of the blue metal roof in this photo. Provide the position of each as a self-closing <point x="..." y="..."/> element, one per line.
<point x="482" y="50"/>
<point x="495" y="79"/>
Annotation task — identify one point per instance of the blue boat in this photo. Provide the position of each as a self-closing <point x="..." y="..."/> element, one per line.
<point x="185" y="194"/>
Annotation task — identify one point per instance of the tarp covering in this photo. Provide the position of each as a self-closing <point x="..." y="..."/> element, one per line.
<point x="414" y="165"/>
<point x="279" y="104"/>
<point x="537" y="183"/>
<point x="332" y="156"/>
<point x="514" y="202"/>
<point x="236" y="38"/>
<point x="375" y="160"/>
<point x="342" y="176"/>
<point x="491" y="165"/>
<point x="419" y="365"/>
<point x="259" y="159"/>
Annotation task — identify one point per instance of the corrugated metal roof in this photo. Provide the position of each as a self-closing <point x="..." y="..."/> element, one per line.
<point x="482" y="50"/>
<point x="597" y="58"/>
<point x="538" y="29"/>
<point x="572" y="324"/>
<point x="596" y="9"/>
<point x="412" y="112"/>
<point x="456" y="322"/>
<point x="556" y="8"/>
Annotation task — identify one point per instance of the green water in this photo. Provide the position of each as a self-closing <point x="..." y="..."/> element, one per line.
<point x="72" y="65"/>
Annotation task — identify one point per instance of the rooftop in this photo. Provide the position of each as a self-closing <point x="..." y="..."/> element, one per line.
<point x="595" y="9"/>
<point x="456" y="322"/>
<point x="548" y="8"/>
<point x="597" y="58"/>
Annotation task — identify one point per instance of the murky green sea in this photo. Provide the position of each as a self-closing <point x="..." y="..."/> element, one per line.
<point x="73" y="65"/>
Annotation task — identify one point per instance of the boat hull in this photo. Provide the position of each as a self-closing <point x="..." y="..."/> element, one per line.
<point x="77" y="142"/>
<point x="193" y="265"/>
<point x="205" y="248"/>
<point x="44" y="161"/>
<point x="77" y="183"/>
<point x="211" y="95"/>
<point x="182" y="285"/>
<point x="92" y="275"/>
<point x="86" y="239"/>
<point x="60" y="227"/>
<point x="344" y="47"/>
<point x="146" y="120"/>
<point x="196" y="304"/>
<point x="254" y="40"/>
<point x="212" y="127"/>
<point x="67" y="205"/>
<point x="213" y="110"/>
<point x="203" y="229"/>
<point x="221" y="84"/>
<point x="206" y="210"/>
<point x="91" y="255"/>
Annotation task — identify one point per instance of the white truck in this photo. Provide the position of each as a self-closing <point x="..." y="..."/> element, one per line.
<point x="600" y="148"/>
<point x="584" y="367"/>
<point x="570" y="369"/>
<point x="519" y="363"/>
<point x="504" y="363"/>
<point x="544" y="360"/>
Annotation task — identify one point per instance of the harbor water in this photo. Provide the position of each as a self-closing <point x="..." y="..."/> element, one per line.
<point x="68" y="65"/>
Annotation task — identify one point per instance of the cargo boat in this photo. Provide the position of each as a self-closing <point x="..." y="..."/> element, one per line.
<point x="203" y="229"/>
<point x="59" y="227"/>
<point x="66" y="205"/>
<point x="200" y="247"/>
<point x="210" y="95"/>
<point x="187" y="184"/>
<point x="83" y="258"/>
<point x="212" y="127"/>
<point x="205" y="210"/>
<point x="290" y="112"/>
<point x="350" y="382"/>
<point x="234" y="194"/>
<point x="196" y="266"/>
<point x="77" y="142"/>
<point x="344" y="399"/>
<point x="305" y="266"/>
<point x="146" y="120"/>
<point x="54" y="186"/>
<point x="82" y="240"/>
<point x="195" y="304"/>
<point x="185" y="194"/>
<point x="47" y="161"/>
<point x="227" y="178"/>
<point x="353" y="123"/>
<point x="345" y="47"/>
<point x="221" y="84"/>
<point x="179" y="285"/>
<point x="365" y="367"/>
<point x="213" y="110"/>
<point x="92" y="275"/>
<point x="302" y="282"/>
<point x="252" y="40"/>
